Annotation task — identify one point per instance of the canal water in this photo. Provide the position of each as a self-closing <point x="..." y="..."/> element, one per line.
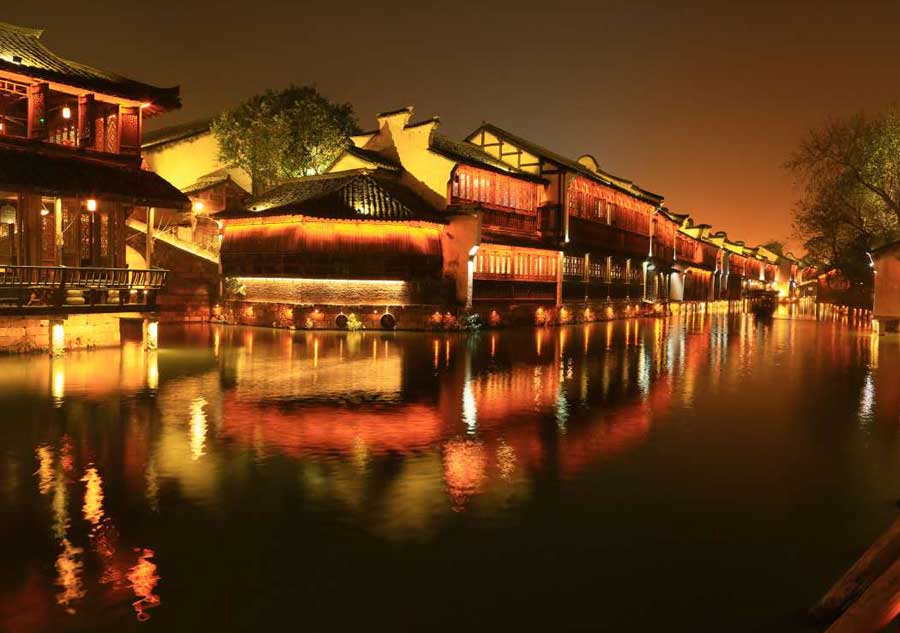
<point x="698" y="473"/>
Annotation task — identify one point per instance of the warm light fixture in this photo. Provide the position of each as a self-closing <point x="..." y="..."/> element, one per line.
<point x="198" y="206"/>
<point x="45" y="211"/>
<point x="91" y="205"/>
<point x="67" y="112"/>
<point x="1" y="126"/>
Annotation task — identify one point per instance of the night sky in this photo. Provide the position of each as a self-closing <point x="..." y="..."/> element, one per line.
<point x="701" y="102"/>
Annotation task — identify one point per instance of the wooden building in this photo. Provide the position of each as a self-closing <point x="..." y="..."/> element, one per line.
<point x="887" y="286"/>
<point x="70" y="179"/>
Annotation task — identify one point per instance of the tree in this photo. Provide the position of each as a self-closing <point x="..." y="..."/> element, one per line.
<point x="276" y="136"/>
<point x="849" y="177"/>
<point x="776" y="246"/>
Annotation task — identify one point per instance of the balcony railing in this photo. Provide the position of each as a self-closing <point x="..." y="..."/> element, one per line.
<point x="75" y="288"/>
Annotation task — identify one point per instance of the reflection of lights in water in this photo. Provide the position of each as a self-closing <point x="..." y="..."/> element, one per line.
<point x="374" y="349"/>
<point x="57" y="380"/>
<point x="464" y="470"/>
<point x="68" y="576"/>
<point x="447" y="353"/>
<point x="644" y="371"/>
<point x="45" y="471"/>
<point x="437" y="353"/>
<point x="143" y="579"/>
<point x="152" y="370"/>
<point x="152" y="490"/>
<point x="539" y="342"/>
<point x="493" y="345"/>
<point x="60" y="508"/>
<point x="562" y="408"/>
<point x="506" y="460"/>
<point x="198" y="428"/>
<point x="216" y="342"/>
<point x="867" y="399"/>
<point x="93" y="496"/>
<point x="360" y="453"/>
<point x="469" y="408"/>
<point x="315" y="353"/>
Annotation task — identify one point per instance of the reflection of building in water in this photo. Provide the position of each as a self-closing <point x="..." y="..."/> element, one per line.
<point x="143" y="579"/>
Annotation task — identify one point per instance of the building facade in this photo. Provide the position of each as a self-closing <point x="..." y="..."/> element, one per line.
<point x="70" y="180"/>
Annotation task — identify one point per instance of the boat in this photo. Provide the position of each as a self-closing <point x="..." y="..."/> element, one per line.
<point x="762" y="303"/>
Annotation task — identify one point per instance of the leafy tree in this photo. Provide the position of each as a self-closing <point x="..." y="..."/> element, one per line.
<point x="776" y="246"/>
<point x="849" y="177"/>
<point x="276" y="136"/>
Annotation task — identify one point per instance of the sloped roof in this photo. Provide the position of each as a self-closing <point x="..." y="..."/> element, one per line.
<point x="212" y="179"/>
<point x="175" y="133"/>
<point x="359" y="194"/>
<point x="24" y="167"/>
<point x="22" y="52"/>
<point x="374" y="158"/>
<point x="531" y="147"/>
<point x="471" y="154"/>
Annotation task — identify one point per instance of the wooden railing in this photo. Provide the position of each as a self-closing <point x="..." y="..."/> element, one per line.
<point x="36" y="286"/>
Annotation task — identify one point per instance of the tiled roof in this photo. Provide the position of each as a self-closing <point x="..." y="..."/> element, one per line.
<point x="175" y="133"/>
<point x="373" y="157"/>
<point x="24" y="167"/>
<point x="360" y="194"/>
<point x="533" y="148"/>
<point x="22" y="52"/>
<point x="471" y="154"/>
<point x="208" y="181"/>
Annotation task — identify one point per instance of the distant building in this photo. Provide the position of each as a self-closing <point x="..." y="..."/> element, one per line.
<point x="887" y="286"/>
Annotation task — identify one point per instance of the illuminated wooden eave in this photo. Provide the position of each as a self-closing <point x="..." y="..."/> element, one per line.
<point x="72" y="90"/>
<point x="283" y="220"/>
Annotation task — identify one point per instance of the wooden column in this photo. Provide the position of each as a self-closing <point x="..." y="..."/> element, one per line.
<point x="37" y="111"/>
<point x="86" y="120"/>
<point x="151" y="217"/>
<point x="58" y="229"/>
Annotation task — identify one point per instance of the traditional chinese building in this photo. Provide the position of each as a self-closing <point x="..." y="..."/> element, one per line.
<point x="70" y="179"/>
<point x="887" y="286"/>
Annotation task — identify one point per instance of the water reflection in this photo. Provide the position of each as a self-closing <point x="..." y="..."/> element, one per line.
<point x="400" y="434"/>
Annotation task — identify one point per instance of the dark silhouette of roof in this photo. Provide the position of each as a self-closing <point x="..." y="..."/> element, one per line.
<point x="531" y="147"/>
<point x="22" y="52"/>
<point x="471" y="154"/>
<point x="25" y="166"/>
<point x="360" y="194"/>
<point x="175" y="133"/>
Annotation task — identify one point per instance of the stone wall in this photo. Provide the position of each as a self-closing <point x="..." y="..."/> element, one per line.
<point x="192" y="285"/>
<point x="20" y="334"/>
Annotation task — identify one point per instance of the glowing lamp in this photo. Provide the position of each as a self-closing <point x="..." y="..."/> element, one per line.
<point x="45" y="211"/>
<point x="152" y="336"/>
<point x="67" y="112"/>
<point x="57" y="339"/>
<point x="197" y="206"/>
<point x="91" y="205"/>
<point x="1" y="127"/>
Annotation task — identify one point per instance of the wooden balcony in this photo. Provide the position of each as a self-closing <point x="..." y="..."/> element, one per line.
<point x="55" y="289"/>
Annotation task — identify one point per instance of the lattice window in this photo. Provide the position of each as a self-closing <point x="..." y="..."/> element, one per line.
<point x="470" y="184"/>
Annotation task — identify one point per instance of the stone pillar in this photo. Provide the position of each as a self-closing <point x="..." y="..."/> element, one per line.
<point x="57" y="345"/>
<point x="151" y="333"/>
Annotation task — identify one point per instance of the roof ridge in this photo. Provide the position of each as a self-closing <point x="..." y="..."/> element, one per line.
<point x="22" y="30"/>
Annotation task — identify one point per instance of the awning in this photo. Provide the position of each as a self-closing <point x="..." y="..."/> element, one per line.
<point x="28" y="168"/>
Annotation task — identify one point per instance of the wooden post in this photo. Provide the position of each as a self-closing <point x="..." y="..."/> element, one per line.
<point x="58" y="231"/>
<point x="884" y="551"/>
<point x="151" y="218"/>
